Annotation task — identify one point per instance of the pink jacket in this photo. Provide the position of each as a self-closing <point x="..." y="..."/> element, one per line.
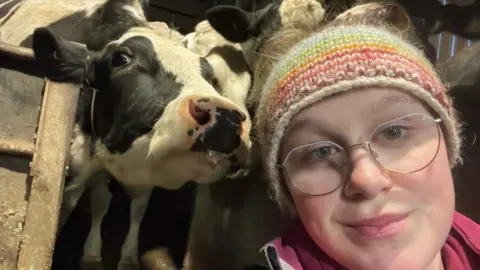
<point x="296" y="251"/>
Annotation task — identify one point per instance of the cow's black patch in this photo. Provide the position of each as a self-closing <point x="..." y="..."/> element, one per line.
<point x="114" y="21"/>
<point x="206" y="71"/>
<point x="230" y="54"/>
<point x="134" y="90"/>
<point x="232" y="22"/>
<point x="233" y="159"/>
<point x="237" y="25"/>
<point x="235" y="166"/>
<point x="60" y="59"/>
<point x="108" y="23"/>
<point x="223" y="136"/>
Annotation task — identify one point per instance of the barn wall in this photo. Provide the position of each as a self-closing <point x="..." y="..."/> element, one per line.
<point x="465" y="176"/>
<point x="185" y="14"/>
<point x="448" y="44"/>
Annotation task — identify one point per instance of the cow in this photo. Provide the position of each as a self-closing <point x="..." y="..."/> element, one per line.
<point x="78" y="21"/>
<point x="152" y="116"/>
<point x="148" y="113"/>
<point x="231" y="74"/>
<point x="223" y="202"/>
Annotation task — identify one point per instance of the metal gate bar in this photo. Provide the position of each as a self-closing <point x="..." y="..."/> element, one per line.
<point x="18" y="148"/>
<point x="48" y="171"/>
<point x="49" y="160"/>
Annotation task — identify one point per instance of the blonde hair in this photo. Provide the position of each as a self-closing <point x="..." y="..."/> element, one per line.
<point x="272" y="50"/>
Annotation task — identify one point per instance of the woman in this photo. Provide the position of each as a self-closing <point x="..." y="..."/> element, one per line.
<point x="359" y="136"/>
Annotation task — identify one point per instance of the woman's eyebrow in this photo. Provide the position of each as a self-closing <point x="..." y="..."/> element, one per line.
<point x="310" y="124"/>
<point x="299" y="124"/>
<point x="393" y="100"/>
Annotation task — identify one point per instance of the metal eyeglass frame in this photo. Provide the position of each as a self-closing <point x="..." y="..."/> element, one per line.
<point x="370" y="151"/>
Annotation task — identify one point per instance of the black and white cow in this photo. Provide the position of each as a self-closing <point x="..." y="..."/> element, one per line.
<point x="223" y="202"/>
<point x="148" y="115"/>
<point x="232" y="77"/>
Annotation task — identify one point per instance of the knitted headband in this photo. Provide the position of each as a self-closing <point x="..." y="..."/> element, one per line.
<point x="339" y="59"/>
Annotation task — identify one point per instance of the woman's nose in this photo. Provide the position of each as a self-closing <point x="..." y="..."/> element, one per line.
<point x="367" y="178"/>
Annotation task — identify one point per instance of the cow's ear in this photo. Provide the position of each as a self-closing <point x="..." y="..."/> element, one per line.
<point x="61" y="60"/>
<point x="233" y="23"/>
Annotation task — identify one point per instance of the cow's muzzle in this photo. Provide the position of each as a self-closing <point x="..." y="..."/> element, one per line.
<point x="215" y="124"/>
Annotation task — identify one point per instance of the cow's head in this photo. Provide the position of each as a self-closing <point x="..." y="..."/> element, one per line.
<point x="252" y="30"/>
<point x="153" y="105"/>
<point x="232" y="76"/>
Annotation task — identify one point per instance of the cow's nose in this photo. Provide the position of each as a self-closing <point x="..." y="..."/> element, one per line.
<point x="216" y="124"/>
<point x="202" y="114"/>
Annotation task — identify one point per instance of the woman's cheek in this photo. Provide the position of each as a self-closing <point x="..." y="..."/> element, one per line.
<point x="314" y="209"/>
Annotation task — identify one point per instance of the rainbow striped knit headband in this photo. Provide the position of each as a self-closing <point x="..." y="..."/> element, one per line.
<point x="339" y="59"/>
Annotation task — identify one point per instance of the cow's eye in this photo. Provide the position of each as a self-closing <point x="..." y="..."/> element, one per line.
<point x="121" y="59"/>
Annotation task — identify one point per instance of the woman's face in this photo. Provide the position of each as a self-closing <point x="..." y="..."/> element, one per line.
<point x="377" y="219"/>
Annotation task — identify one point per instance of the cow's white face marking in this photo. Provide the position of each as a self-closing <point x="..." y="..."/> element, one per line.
<point x="189" y="41"/>
<point x="136" y="11"/>
<point x="90" y="7"/>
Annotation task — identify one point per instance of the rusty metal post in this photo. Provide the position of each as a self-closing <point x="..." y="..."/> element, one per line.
<point x="48" y="171"/>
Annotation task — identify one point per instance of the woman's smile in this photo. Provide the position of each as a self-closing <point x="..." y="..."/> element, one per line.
<point x="380" y="226"/>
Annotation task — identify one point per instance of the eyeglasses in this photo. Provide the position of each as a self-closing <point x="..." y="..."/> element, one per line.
<point x="403" y="145"/>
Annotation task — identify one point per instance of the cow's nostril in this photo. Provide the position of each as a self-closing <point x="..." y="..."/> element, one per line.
<point x="200" y="115"/>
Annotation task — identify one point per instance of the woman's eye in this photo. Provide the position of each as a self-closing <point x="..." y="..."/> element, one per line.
<point x="323" y="152"/>
<point x="120" y="60"/>
<point x="393" y="132"/>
